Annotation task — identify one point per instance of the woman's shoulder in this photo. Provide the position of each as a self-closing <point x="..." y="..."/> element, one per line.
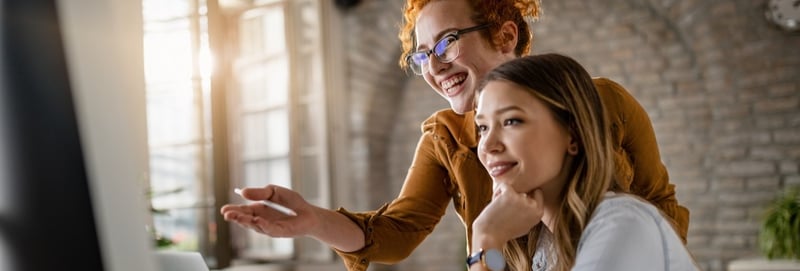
<point x="614" y="95"/>
<point x="624" y="211"/>
<point x="607" y="86"/>
<point x="643" y="239"/>
<point x="448" y="120"/>
<point x="605" y="82"/>
<point x="448" y="123"/>
<point x="623" y="203"/>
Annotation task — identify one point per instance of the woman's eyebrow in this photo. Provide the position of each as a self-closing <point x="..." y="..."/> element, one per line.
<point x="500" y="111"/>
<point x="438" y="36"/>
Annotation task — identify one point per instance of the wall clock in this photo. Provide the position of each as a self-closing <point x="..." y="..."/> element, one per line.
<point x="784" y="13"/>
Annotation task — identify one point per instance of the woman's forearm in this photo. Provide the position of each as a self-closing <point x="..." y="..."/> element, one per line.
<point x="338" y="231"/>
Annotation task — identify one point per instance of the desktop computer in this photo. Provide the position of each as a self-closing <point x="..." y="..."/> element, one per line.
<point x="73" y="147"/>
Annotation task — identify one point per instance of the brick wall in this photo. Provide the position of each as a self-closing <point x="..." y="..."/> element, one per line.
<point x="721" y="86"/>
<point x="374" y="84"/>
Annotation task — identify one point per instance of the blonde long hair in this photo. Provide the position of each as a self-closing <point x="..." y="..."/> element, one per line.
<point x="567" y="89"/>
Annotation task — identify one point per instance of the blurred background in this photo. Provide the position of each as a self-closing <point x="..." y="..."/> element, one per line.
<point x="308" y="94"/>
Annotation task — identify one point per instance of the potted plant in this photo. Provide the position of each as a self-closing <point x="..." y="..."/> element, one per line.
<point x="779" y="237"/>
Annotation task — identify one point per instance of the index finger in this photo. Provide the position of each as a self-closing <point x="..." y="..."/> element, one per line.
<point x="242" y="208"/>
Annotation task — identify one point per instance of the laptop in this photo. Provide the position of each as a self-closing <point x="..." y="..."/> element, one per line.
<point x="168" y="260"/>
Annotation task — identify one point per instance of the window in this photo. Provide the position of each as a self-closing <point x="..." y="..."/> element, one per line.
<point x="276" y="117"/>
<point x="281" y="112"/>
<point x="177" y="75"/>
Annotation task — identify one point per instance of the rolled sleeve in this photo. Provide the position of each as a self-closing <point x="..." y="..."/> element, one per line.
<point x="393" y="232"/>
<point x="358" y="260"/>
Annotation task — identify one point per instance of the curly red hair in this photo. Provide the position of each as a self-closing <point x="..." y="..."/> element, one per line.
<point x="492" y="12"/>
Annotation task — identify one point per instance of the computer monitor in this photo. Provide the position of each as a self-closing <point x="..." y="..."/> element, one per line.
<point x="73" y="148"/>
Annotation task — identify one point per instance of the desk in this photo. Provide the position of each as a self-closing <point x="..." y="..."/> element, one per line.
<point x="762" y="264"/>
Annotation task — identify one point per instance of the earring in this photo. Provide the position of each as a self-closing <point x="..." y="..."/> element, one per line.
<point x="573" y="149"/>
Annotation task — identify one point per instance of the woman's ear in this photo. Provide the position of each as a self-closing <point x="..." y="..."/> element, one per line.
<point x="509" y="36"/>
<point x="573" y="147"/>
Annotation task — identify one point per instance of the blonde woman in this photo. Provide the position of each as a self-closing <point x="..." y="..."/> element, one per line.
<point x="544" y="139"/>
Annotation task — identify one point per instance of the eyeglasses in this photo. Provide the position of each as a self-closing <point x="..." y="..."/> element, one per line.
<point x="445" y="50"/>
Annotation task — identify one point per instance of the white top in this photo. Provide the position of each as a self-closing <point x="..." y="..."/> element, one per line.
<point x="626" y="233"/>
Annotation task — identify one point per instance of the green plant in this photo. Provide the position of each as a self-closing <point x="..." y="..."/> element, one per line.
<point x="779" y="237"/>
<point x="160" y="240"/>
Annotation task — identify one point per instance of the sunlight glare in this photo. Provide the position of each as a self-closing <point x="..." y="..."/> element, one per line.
<point x="205" y="61"/>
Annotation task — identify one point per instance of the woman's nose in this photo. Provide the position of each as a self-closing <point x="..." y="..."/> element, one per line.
<point x="435" y="66"/>
<point x="490" y="143"/>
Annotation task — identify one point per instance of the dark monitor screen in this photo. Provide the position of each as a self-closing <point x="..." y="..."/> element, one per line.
<point x="50" y="219"/>
<point x="46" y="219"/>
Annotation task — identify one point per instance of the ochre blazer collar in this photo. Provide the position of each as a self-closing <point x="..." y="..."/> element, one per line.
<point x="469" y="132"/>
